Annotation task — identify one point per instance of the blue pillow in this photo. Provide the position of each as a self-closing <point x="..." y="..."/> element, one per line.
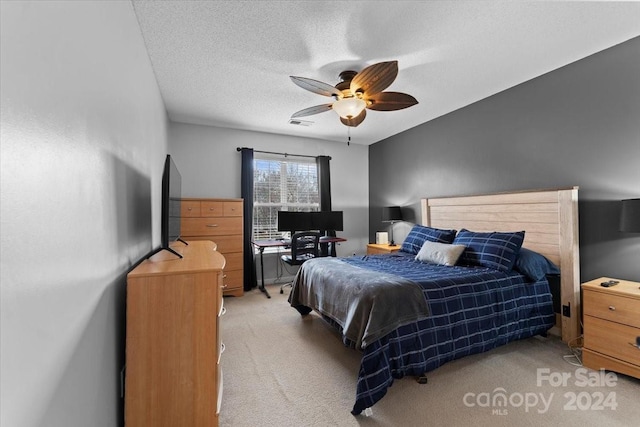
<point x="495" y="250"/>
<point x="419" y="234"/>
<point x="534" y="265"/>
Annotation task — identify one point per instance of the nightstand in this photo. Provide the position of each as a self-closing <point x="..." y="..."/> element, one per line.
<point x="375" y="248"/>
<point x="611" y="326"/>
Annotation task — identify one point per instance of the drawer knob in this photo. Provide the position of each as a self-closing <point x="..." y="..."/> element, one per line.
<point x="189" y="208"/>
<point x="211" y="209"/>
<point x="212" y="225"/>
<point x="612" y="308"/>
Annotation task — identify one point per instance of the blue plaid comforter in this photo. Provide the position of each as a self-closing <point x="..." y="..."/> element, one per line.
<point x="473" y="309"/>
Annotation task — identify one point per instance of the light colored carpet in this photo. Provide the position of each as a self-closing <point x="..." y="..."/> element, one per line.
<point x="282" y="369"/>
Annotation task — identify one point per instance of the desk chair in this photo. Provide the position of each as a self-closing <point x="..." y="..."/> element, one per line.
<point x="304" y="246"/>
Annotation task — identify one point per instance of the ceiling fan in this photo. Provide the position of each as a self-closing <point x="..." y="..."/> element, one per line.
<point x="356" y="92"/>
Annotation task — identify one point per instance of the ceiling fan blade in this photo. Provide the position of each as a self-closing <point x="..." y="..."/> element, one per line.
<point x="312" y="110"/>
<point x="316" y="86"/>
<point x="375" y="78"/>
<point x="390" y="101"/>
<point x="355" y="121"/>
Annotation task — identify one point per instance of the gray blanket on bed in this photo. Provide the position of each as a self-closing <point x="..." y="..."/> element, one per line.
<point x="366" y="304"/>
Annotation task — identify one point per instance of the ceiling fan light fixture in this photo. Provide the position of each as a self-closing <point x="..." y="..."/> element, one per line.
<point x="349" y="108"/>
<point x="357" y="92"/>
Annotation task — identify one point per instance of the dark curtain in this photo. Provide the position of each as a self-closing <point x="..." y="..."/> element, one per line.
<point x="324" y="181"/>
<point x="246" y="190"/>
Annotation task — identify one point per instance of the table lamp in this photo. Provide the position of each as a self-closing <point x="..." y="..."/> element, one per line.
<point x="391" y="214"/>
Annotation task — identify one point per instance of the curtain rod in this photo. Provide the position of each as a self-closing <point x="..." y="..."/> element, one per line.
<point x="280" y="154"/>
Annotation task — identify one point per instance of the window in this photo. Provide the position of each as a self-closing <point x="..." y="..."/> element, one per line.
<point x="282" y="184"/>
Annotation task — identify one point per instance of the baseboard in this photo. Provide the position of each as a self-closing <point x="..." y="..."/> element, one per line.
<point x="276" y="280"/>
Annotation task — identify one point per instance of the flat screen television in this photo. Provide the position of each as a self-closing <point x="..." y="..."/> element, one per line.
<point x="294" y="221"/>
<point x="303" y="221"/>
<point x="327" y="221"/>
<point x="171" y="207"/>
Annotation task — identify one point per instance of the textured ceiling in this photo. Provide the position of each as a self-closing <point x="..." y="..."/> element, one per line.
<point x="227" y="63"/>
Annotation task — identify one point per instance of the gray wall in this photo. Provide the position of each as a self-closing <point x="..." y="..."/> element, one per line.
<point x="83" y="145"/>
<point x="576" y="126"/>
<point x="210" y="167"/>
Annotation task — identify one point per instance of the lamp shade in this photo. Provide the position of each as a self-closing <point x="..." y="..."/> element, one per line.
<point x="392" y="213"/>
<point x="630" y="216"/>
<point x="349" y="107"/>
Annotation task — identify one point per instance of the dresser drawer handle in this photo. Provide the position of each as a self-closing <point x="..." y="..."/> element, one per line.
<point x="189" y="208"/>
<point x="612" y="308"/>
<point x="212" y="209"/>
<point x="212" y="225"/>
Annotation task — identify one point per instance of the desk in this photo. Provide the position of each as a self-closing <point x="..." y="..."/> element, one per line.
<point x="263" y="244"/>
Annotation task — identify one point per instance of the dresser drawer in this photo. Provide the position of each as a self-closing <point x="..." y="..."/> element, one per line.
<point x="190" y="208"/>
<point x="232" y="208"/>
<point x="233" y="280"/>
<point x="220" y="391"/>
<point x="612" y="339"/>
<point x="211" y="226"/>
<point x="220" y="289"/>
<point x="611" y="307"/>
<point x="234" y="261"/>
<point x="223" y="244"/>
<point x="229" y="244"/>
<point x="211" y="209"/>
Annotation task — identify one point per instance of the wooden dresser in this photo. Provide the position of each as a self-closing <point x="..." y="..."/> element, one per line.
<point x="611" y="326"/>
<point x="173" y="346"/>
<point x="218" y="220"/>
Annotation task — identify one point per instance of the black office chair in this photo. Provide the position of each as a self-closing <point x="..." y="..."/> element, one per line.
<point x="305" y="245"/>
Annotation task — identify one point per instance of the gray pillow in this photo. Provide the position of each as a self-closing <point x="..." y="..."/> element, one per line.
<point x="439" y="253"/>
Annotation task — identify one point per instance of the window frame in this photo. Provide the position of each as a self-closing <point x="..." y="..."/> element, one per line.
<point x="300" y="201"/>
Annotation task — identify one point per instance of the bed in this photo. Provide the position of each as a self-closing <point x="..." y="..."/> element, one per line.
<point x="448" y="293"/>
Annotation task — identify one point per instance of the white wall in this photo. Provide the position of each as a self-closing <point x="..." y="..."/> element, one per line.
<point x="83" y="145"/>
<point x="210" y="167"/>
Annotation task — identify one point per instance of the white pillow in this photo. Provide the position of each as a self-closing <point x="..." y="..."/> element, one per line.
<point x="440" y="253"/>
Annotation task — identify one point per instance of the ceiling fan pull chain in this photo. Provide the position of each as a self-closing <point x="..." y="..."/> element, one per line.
<point x="348" y="136"/>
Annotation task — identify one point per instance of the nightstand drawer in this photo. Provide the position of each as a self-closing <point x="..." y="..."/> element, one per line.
<point x="611" y="307"/>
<point x="612" y="339"/>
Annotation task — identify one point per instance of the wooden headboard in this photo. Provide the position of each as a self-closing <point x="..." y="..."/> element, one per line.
<point x="550" y="221"/>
